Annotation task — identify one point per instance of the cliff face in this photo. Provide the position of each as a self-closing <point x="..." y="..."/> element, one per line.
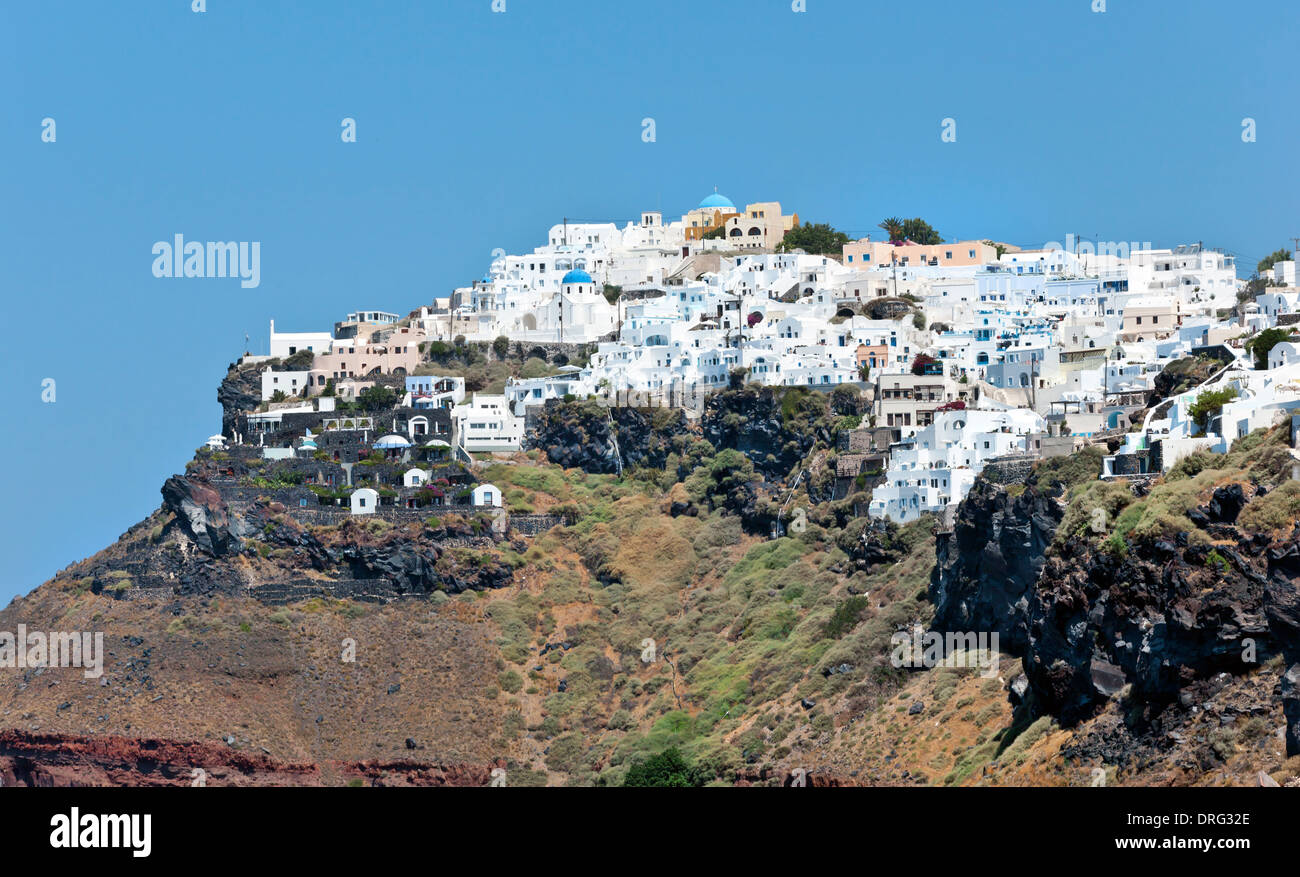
<point x="578" y="435"/>
<point x="774" y="430"/>
<point x="988" y="566"/>
<point x="199" y="545"/>
<point x="1166" y="614"/>
<point x="1156" y="611"/>
<point x="240" y="390"/>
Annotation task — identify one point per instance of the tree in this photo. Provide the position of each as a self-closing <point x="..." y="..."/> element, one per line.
<point x="501" y="346"/>
<point x="921" y="362"/>
<point x="918" y="320"/>
<point x="1001" y="248"/>
<point x="668" y="769"/>
<point x="612" y="292"/>
<point x="920" y="231"/>
<point x="1262" y="343"/>
<point x="818" y="240"/>
<point x="1209" y="403"/>
<point x="1272" y="259"/>
<point x="278" y="396"/>
<point x="377" y="398"/>
<point x="915" y="229"/>
<point x="893" y="227"/>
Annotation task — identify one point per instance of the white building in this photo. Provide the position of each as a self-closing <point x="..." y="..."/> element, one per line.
<point x="364" y="501"/>
<point x="935" y="468"/>
<point x="487" y="423"/>
<point x="485" y="495"/>
<point x="285" y="344"/>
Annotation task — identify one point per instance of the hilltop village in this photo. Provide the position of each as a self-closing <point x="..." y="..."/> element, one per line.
<point x="954" y="356"/>
<point x="683" y="486"/>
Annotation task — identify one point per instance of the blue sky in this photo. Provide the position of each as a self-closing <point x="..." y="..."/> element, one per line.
<point x="478" y="130"/>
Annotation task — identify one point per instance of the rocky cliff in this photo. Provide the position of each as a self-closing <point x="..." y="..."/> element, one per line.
<point x="987" y="568"/>
<point x="593" y="437"/>
<point x="1112" y="591"/>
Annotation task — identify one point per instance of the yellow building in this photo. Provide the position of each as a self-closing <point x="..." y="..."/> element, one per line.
<point x="712" y="213"/>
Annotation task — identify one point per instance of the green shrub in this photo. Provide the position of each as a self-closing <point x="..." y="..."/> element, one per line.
<point x="1275" y="513"/>
<point x="668" y="769"/>
<point x="845" y="617"/>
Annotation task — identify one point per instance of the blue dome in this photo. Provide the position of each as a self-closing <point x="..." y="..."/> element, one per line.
<point x="717" y="202"/>
<point x="577" y="275"/>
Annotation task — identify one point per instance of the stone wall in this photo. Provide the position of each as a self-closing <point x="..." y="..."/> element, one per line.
<point x="531" y="525"/>
<point x="1012" y="470"/>
<point x="362" y="590"/>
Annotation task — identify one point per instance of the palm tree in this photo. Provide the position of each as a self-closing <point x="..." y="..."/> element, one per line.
<point x="893" y="226"/>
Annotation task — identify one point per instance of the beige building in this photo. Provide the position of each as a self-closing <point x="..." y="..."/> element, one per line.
<point x="867" y="253"/>
<point x="363" y="360"/>
<point x="760" y="227"/>
<point x="1149" y="317"/>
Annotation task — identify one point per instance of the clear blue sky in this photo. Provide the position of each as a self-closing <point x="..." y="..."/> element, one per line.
<point x="478" y="130"/>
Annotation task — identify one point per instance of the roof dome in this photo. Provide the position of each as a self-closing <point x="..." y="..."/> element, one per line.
<point x="717" y="202"/>
<point x="577" y="275"/>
